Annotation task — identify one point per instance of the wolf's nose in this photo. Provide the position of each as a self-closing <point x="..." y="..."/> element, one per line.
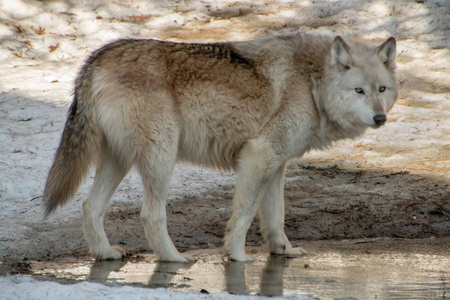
<point x="379" y="119"/>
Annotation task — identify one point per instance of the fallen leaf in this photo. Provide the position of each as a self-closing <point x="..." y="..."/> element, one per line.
<point x="41" y="30"/>
<point x="137" y="18"/>
<point x="53" y="47"/>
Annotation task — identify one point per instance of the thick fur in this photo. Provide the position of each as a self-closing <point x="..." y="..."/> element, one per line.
<point x="249" y="106"/>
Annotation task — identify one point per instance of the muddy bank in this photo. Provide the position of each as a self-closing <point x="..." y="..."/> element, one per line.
<point x="322" y="202"/>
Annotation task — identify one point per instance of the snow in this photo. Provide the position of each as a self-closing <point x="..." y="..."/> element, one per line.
<point x="44" y="43"/>
<point x="19" y="287"/>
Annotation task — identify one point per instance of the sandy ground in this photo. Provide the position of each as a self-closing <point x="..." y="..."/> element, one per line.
<point x="393" y="182"/>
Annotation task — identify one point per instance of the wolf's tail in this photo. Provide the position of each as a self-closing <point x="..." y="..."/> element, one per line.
<point x="80" y="142"/>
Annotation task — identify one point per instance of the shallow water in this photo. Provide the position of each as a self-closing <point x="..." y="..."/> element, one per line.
<point x="364" y="269"/>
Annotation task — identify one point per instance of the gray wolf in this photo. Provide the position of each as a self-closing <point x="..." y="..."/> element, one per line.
<point x="249" y="106"/>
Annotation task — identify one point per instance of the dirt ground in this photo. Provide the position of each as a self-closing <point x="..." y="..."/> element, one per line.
<point x="322" y="202"/>
<point x="392" y="183"/>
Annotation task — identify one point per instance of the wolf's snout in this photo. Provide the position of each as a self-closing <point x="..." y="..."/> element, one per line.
<point x="380" y="119"/>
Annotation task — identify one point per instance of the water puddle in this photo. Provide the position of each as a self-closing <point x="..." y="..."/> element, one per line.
<point x="332" y="270"/>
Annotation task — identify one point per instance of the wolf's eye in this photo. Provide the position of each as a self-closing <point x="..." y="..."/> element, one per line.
<point x="359" y="91"/>
<point x="382" y="89"/>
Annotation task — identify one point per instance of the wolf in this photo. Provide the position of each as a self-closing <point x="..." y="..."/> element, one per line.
<point x="249" y="106"/>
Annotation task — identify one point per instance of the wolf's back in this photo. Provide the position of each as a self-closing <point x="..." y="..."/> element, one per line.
<point x="80" y="142"/>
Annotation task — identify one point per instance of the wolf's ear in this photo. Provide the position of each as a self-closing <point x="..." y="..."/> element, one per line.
<point x="339" y="53"/>
<point x="386" y="52"/>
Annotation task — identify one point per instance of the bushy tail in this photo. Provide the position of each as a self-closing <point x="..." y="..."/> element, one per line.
<point x="79" y="143"/>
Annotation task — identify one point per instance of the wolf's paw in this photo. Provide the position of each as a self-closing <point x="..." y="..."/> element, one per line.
<point x="289" y="251"/>
<point x="188" y="257"/>
<point x="115" y="252"/>
<point x="295" y="252"/>
<point x="179" y="258"/>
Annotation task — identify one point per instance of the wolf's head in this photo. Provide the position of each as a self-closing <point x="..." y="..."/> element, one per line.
<point x="359" y="86"/>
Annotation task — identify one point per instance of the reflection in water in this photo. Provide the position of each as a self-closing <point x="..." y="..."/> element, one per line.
<point x="235" y="278"/>
<point x="164" y="273"/>
<point x="272" y="276"/>
<point x="271" y="283"/>
<point x="363" y="271"/>
<point x="101" y="270"/>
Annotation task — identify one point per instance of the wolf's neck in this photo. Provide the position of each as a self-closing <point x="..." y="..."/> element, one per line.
<point x="328" y="133"/>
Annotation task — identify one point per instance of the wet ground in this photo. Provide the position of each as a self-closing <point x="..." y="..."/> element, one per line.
<point x="361" y="269"/>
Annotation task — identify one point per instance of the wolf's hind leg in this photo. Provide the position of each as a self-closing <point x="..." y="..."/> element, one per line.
<point x="110" y="173"/>
<point x="271" y="213"/>
<point x="156" y="166"/>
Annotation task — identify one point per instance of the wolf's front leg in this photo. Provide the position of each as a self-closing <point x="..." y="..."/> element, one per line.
<point x="272" y="217"/>
<point x="257" y="164"/>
